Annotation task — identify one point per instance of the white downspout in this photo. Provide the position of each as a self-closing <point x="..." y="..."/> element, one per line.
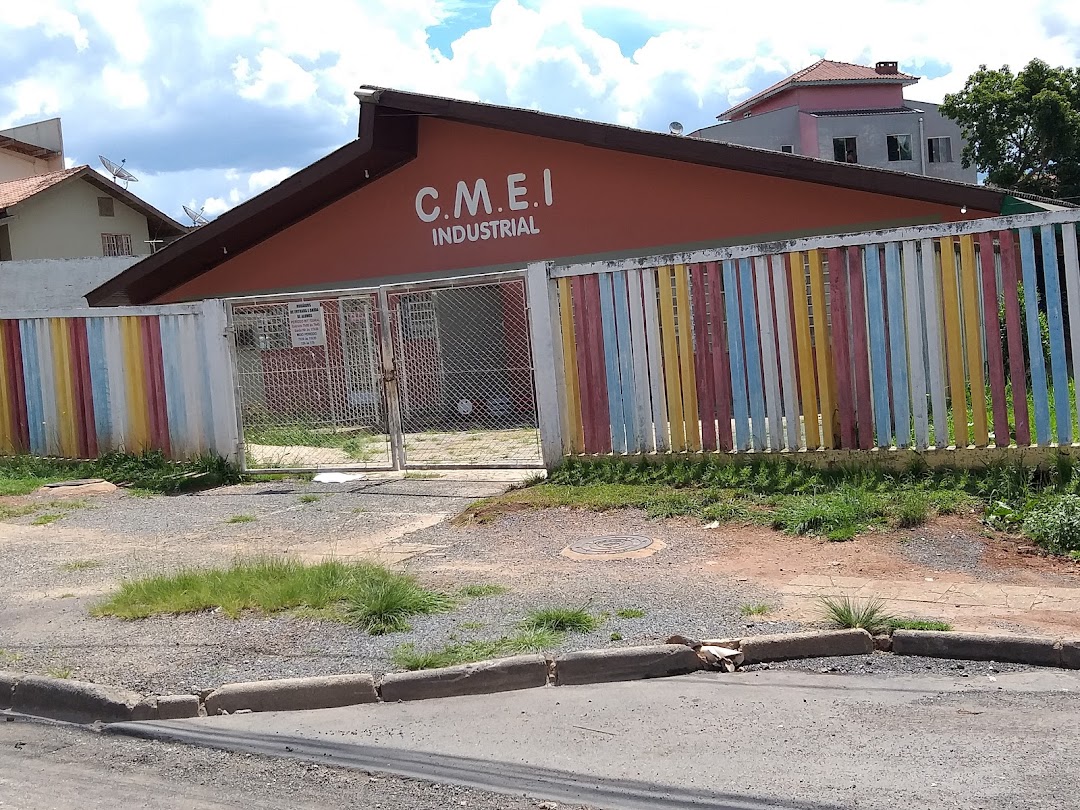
<point x="922" y="144"/>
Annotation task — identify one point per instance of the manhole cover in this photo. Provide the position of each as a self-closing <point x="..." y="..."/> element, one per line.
<point x="610" y="544"/>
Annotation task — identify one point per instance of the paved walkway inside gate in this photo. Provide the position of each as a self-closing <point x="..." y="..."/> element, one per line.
<point x="473" y="447"/>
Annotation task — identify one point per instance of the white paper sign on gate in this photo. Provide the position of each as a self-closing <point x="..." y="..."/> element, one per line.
<point x="306" y="324"/>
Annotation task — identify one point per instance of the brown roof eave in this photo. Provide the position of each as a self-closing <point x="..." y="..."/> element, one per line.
<point x="377" y="151"/>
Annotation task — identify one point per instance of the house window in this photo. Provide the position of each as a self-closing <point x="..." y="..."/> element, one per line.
<point x="418" y="318"/>
<point x="105" y="207"/>
<point x="116" y="244"/>
<point x="899" y="147"/>
<point x="788" y="149"/>
<point x="845" y="150"/>
<point x="939" y="149"/>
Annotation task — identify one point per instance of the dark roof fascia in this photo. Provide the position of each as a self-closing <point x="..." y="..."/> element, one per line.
<point x="699" y="151"/>
<point x="28" y="149"/>
<point x="386" y="141"/>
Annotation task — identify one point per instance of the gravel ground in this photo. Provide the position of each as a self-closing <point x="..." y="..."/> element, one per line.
<point x="888" y="664"/>
<point x="59" y="767"/>
<point x="55" y="573"/>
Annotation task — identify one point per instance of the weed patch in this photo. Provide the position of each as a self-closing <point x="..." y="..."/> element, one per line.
<point x="241" y="519"/>
<point x="80" y="565"/>
<point x="47" y="518"/>
<point x="849" y="614"/>
<point x="384" y="604"/>
<point x="918" y="624"/>
<point x="408" y="656"/>
<point x="151" y="471"/>
<point x="309" y="498"/>
<point x="369" y="596"/>
<point x="755" y="609"/>
<point x="484" y="590"/>
<point x="8" y="512"/>
<point x="561" y="620"/>
<point x="838" y="515"/>
<point x="61" y="672"/>
<point x="1054" y="523"/>
<point x="616" y="636"/>
<point x="630" y="613"/>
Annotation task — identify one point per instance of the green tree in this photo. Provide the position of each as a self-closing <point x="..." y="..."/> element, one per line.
<point x="1022" y="130"/>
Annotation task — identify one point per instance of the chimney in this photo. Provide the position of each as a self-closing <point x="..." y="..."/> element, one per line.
<point x="887" y="68"/>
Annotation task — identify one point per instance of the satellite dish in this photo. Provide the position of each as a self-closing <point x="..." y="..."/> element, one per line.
<point x="196" y="217"/>
<point x="118" y="171"/>
<point x="675" y="128"/>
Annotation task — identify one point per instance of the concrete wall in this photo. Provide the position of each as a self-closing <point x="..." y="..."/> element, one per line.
<point x="47" y="134"/>
<point x="872" y="132"/>
<point x="937" y="125"/>
<point x="769" y="131"/>
<point x="16" y="166"/>
<point x="63" y="223"/>
<point x="44" y="284"/>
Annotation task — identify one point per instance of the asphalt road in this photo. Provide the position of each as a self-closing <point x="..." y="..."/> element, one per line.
<point x="783" y="739"/>
<point x="744" y="742"/>
<point x="51" y="766"/>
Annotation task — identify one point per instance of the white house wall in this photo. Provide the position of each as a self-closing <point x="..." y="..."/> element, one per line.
<point x="63" y="223"/>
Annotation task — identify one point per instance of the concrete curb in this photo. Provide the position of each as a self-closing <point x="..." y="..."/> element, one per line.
<point x="1035" y="650"/>
<point x="67" y="700"/>
<point x="292" y="694"/>
<point x="87" y="702"/>
<point x="8" y="680"/>
<point x="626" y="664"/>
<point x="820" y="644"/>
<point x="483" y="677"/>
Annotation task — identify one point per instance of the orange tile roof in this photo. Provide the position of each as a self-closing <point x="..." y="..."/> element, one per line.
<point x="16" y="191"/>
<point x="824" y="71"/>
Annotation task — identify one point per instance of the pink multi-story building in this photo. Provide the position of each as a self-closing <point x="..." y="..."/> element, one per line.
<point x="850" y="113"/>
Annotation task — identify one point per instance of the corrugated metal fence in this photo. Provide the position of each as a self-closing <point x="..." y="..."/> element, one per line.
<point x="956" y="335"/>
<point x="77" y="385"/>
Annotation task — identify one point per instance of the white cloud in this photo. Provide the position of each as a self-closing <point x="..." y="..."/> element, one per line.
<point x="261" y="181"/>
<point x="47" y="15"/>
<point x="125" y="89"/>
<point x="30" y="98"/>
<point x="278" y="79"/>
<point x="684" y="60"/>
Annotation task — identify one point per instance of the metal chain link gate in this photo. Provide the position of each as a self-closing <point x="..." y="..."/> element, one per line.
<point x="429" y="375"/>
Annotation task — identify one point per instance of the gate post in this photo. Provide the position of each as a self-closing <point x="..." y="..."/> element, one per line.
<point x="390" y="384"/>
<point x="221" y="375"/>
<point x="546" y="352"/>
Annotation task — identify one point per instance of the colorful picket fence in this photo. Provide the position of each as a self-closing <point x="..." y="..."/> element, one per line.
<point x="78" y="385"/>
<point x="919" y="337"/>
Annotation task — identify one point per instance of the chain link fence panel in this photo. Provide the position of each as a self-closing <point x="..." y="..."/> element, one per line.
<point x="464" y="367"/>
<point x="310" y="386"/>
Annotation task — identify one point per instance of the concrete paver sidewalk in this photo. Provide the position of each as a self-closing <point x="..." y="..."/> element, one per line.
<point x="968" y="605"/>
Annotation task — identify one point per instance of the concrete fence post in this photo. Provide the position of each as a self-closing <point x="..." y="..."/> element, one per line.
<point x="546" y="347"/>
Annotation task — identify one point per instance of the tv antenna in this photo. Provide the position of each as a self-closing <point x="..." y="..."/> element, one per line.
<point x="196" y="217"/>
<point x="118" y="171"/>
<point x="675" y="128"/>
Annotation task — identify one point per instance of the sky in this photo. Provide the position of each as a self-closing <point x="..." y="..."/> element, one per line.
<point x="212" y="101"/>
